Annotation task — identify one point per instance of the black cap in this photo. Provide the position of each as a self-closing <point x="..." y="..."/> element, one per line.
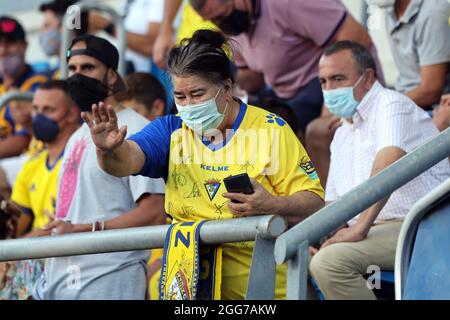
<point x="59" y="7"/>
<point x="98" y="48"/>
<point x="11" y="28"/>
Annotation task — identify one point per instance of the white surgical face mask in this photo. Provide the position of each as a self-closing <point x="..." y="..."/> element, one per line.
<point x="202" y="116"/>
<point x="381" y="3"/>
<point x="341" y="102"/>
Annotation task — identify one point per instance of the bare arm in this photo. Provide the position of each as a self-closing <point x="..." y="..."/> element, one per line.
<point x="13" y="146"/>
<point x="115" y="156"/>
<point x="295" y="207"/>
<point x="432" y="84"/>
<point x="298" y="206"/>
<point x="384" y="159"/>
<point x="165" y="41"/>
<point x="150" y="211"/>
<point x="250" y="80"/>
<point x="359" y="231"/>
<point x="141" y="43"/>
<point x="352" y="30"/>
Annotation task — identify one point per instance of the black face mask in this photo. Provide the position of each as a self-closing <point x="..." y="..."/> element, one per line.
<point x="86" y="91"/>
<point x="237" y="22"/>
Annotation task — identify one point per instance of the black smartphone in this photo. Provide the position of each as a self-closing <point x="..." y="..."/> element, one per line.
<point x="239" y="184"/>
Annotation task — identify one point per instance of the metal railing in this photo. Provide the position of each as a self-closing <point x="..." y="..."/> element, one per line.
<point x="261" y="229"/>
<point x="70" y="16"/>
<point x="292" y="246"/>
<point x="15" y="95"/>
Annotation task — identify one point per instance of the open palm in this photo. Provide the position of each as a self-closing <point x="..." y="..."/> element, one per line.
<point x="102" y="123"/>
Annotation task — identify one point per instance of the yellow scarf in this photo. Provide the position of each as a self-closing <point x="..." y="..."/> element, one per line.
<point x="189" y="273"/>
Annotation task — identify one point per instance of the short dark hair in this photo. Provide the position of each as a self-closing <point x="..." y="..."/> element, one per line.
<point x="58" y="85"/>
<point x="205" y="55"/>
<point x="145" y="88"/>
<point x="361" y="55"/>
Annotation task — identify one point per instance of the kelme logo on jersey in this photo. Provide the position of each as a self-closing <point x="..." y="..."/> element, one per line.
<point x="307" y="166"/>
<point x="212" y="186"/>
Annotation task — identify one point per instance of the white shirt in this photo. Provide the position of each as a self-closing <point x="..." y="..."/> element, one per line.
<point x="384" y="118"/>
<point x="140" y="14"/>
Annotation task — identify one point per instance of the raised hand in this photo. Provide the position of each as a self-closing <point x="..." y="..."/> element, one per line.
<point x="163" y="43"/>
<point x="102" y="123"/>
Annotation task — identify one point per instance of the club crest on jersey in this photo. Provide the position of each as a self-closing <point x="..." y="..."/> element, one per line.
<point x="212" y="186"/>
<point x="307" y="166"/>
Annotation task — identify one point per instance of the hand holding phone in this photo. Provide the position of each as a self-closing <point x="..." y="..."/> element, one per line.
<point x="239" y="184"/>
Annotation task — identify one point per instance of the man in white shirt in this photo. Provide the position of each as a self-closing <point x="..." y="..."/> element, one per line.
<point x="379" y="127"/>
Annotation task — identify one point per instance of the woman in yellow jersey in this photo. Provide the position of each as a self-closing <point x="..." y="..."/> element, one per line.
<point x="214" y="135"/>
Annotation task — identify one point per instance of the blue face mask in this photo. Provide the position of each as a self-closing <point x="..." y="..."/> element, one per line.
<point x="202" y="116"/>
<point x="45" y="129"/>
<point x="341" y="102"/>
<point x="50" y="42"/>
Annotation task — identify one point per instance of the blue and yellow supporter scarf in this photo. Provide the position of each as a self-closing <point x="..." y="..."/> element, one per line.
<point x="189" y="273"/>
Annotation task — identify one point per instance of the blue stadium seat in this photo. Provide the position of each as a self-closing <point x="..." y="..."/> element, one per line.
<point x="428" y="277"/>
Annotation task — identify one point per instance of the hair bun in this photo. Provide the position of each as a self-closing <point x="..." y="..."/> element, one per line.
<point x="211" y="37"/>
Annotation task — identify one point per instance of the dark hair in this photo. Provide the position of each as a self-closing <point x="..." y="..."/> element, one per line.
<point x="281" y="109"/>
<point x="362" y="57"/>
<point x="58" y="85"/>
<point x="9" y="217"/>
<point x="205" y="55"/>
<point x="144" y="87"/>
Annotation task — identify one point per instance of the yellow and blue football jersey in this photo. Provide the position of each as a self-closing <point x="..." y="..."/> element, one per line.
<point x="260" y="144"/>
<point x="28" y="82"/>
<point x="36" y="186"/>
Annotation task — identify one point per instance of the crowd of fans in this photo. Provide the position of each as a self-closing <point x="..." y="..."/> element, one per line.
<point x="95" y="151"/>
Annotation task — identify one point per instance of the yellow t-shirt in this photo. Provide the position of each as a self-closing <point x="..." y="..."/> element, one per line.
<point x="191" y="22"/>
<point x="263" y="146"/>
<point x="36" y="186"/>
<point x="34" y="147"/>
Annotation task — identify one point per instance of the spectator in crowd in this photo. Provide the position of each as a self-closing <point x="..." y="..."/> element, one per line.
<point x="190" y="22"/>
<point x="142" y="20"/>
<point x="17" y="278"/>
<point x="380" y="126"/>
<point x="441" y="114"/>
<point x="51" y="30"/>
<point x="145" y="94"/>
<point x="419" y="34"/>
<point x="294" y="32"/>
<point x="203" y="84"/>
<point x="15" y="74"/>
<point x="21" y="114"/>
<point x="89" y="199"/>
<point x="55" y="118"/>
